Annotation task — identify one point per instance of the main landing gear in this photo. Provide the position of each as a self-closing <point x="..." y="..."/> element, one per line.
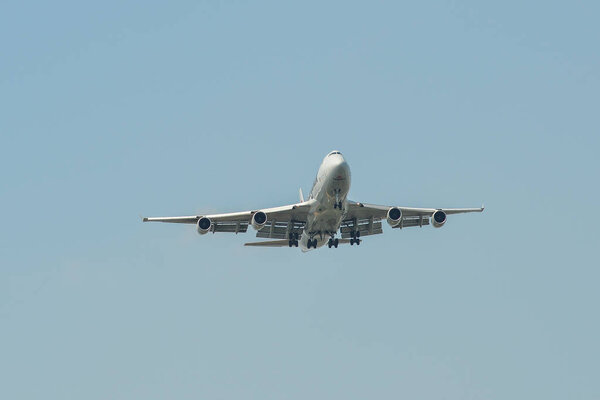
<point x="293" y="240"/>
<point x="332" y="242"/>
<point x="355" y="238"/>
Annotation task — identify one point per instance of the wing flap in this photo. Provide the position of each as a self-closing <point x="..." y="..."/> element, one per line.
<point x="408" y="222"/>
<point x="280" y="230"/>
<point x="232" y="227"/>
<point x="366" y="227"/>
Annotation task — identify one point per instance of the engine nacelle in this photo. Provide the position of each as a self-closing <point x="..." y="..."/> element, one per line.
<point x="438" y="219"/>
<point x="204" y="225"/>
<point x="259" y="219"/>
<point x="394" y="216"/>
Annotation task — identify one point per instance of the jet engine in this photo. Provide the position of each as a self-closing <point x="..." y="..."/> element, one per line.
<point x="204" y="225"/>
<point x="259" y="219"/>
<point x="438" y="219"/>
<point x="394" y="216"/>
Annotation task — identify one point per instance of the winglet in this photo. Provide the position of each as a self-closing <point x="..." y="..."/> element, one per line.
<point x="301" y="195"/>
<point x="482" y="207"/>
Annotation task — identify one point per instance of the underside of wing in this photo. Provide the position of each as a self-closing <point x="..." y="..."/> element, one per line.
<point x="366" y="218"/>
<point x="276" y="222"/>
<point x="176" y="220"/>
<point x="280" y="229"/>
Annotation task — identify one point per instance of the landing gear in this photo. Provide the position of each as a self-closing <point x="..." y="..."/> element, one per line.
<point x="338" y="202"/>
<point x="312" y="242"/>
<point x="355" y="238"/>
<point x="293" y="242"/>
<point x="333" y="243"/>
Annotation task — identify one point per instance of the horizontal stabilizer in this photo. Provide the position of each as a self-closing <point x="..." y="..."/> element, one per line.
<point x="283" y="243"/>
<point x="270" y="243"/>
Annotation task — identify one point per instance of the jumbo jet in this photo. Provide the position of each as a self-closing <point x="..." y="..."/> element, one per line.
<point x="315" y="222"/>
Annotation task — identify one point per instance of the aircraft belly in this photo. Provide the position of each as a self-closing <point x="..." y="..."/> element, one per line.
<point x="324" y="221"/>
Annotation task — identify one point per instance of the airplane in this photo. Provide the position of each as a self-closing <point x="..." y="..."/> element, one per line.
<point x="315" y="222"/>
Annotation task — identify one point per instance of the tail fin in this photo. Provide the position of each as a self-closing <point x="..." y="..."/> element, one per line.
<point x="301" y="196"/>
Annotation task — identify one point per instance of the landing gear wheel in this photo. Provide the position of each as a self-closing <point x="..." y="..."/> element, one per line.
<point x="293" y="239"/>
<point x="335" y="243"/>
<point x="355" y="238"/>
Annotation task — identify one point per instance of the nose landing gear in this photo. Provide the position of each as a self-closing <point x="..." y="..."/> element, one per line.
<point x="338" y="202"/>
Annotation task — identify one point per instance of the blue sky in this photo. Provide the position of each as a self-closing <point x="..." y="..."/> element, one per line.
<point x="120" y="109"/>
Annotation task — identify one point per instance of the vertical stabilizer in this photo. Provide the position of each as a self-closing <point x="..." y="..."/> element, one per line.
<point x="301" y="195"/>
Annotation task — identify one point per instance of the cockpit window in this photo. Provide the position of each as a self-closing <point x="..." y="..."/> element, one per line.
<point x="333" y="152"/>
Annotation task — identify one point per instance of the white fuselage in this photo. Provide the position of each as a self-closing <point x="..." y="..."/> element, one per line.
<point x="330" y="188"/>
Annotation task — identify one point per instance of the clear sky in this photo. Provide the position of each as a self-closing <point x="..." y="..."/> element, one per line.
<point x="111" y="110"/>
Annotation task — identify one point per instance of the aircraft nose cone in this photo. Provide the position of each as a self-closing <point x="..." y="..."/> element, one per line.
<point x="340" y="169"/>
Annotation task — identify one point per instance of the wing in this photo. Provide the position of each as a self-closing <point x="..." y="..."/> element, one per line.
<point x="367" y="218"/>
<point x="280" y="220"/>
